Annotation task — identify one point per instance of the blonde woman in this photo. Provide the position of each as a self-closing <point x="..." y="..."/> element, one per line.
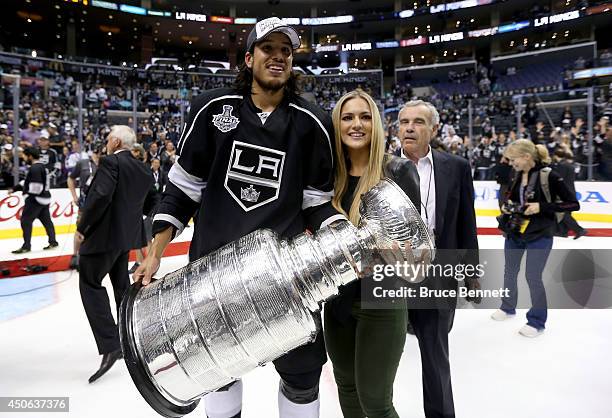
<point x="364" y="345"/>
<point x="528" y="223"/>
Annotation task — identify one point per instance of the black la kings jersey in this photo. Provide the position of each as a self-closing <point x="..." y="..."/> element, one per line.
<point x="241" y="174"/>
<point x="36" y="184"/>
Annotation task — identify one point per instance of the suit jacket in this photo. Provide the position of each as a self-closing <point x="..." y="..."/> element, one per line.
<point x="455" y="232"/>
<point x="112" y="216"/>
<point x="455" y="215"/>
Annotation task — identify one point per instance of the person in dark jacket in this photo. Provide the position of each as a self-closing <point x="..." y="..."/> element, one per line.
<point x="36" y="188"/>
<point x="528" y="223"/>
<point x="364" y="345"/>
<point x="566" y="170"/>
<point x="110" y="226"/>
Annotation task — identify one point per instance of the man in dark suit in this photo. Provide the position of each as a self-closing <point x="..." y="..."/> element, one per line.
<point x="111" y="225"/>
<point x="565" y="168"/>
<point x="447" y="206"/>
<point x="160" y="178"/>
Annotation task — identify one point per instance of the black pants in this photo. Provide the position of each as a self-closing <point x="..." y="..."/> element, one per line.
<point x="92" y="269"/>
<point x="33" y="210"/>
<point x="431" y="327"/>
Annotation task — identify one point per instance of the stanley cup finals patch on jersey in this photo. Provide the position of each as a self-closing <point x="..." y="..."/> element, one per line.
<point x="225" y="121"/>
<point x="254" y="175"/>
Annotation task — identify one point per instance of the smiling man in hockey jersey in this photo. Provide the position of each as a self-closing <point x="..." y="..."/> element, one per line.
<point x="253" y="156"/>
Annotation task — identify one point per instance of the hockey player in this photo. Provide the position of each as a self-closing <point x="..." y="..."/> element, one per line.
<point x="49" y="158"/>
<point x="253" y="156"/>
<point x="36" y="187"/>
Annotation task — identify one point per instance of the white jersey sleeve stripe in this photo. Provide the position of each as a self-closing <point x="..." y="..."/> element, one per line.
<point x="313" y="197"/>
<point x="172" y="220"/>
<point x="308" y="112"/>
<point x="189" y="184"/>
<point x="178" y="145"/>
<point x="181" y="145"/>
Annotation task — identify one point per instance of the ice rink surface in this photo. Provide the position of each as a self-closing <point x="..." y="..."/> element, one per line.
<point x="47" y="349"/>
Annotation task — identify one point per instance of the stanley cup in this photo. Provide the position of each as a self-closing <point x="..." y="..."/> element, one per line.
<point x="249" y="302"/>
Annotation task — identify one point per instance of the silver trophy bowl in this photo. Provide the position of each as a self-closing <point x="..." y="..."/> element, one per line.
<point x="250" y="302"/>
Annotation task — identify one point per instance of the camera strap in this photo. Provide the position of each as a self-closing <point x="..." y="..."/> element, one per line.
<point x="527" y="192"/>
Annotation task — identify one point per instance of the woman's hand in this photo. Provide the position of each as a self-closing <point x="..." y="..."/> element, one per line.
<point x="532" y="208"/>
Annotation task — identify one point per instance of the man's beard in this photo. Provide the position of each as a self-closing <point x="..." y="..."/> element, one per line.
<point x="272" y="85"/>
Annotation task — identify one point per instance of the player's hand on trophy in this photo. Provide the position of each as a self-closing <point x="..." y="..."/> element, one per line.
<point x="144" y="273"/>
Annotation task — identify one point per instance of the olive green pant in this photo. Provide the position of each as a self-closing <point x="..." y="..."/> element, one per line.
<point x="365" y="354"/>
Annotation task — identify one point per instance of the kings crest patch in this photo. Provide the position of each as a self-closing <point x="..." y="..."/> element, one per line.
<point x="254" y="175"/>
<point x="225" y="121"/>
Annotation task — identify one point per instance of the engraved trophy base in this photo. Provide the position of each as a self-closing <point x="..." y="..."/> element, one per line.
<point x="135" y="366"/>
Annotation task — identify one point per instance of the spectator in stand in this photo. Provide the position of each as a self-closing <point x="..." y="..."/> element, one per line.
<point x="484" y="159"/>
<point x="74" y="156"/>
<point x="451" y="136"/>
<point x="524" y="133"/>
<point x="153" y="152"/>
<point x="567" y="114"/>
<point x="6" y="166"/>
<point x="138" y="152"/>
<point x="168" y="156"/>
<point x="29" y="136"/>
<point x="500" y="147"/>
<point x="5" y="137"/>
<point x="55" y="140"/>
<point x="456" y="147"/>
<point x="530" y="115"/>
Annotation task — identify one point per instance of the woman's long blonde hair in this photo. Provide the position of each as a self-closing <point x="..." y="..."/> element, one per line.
<point x="374" y="171"/>
<point x="539" y="153"/>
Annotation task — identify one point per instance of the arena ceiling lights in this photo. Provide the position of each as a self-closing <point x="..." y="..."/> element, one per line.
<point x="420" y="40"/>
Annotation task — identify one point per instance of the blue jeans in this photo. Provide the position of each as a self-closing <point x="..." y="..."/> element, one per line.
<point x="537" y="255"/>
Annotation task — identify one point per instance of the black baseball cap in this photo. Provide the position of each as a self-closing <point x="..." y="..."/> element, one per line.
<point x="270" y="25"/>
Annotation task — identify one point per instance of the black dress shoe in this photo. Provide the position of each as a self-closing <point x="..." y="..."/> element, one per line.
<point x="107" y="362"/>
<point x="581" y="233"/>
<point x="51" y="246"/>
<point x="21" y="250"/>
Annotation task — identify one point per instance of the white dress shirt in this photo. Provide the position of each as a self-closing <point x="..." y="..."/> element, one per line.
<point x="428" y="189"/>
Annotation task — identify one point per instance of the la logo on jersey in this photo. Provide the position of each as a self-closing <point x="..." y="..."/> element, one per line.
<point x="254" y="175"/>
<point x="225" y="121"/>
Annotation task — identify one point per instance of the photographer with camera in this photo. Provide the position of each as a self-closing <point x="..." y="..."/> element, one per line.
<point x="528" y="220"/>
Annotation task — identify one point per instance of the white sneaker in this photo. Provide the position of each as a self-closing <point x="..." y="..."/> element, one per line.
<point x="500" y="315"/>
<point x="530" y="332"/>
